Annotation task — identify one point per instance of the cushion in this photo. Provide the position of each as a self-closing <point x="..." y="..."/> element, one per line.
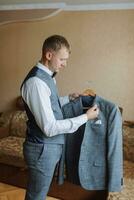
<point x="18" y="124"/>
<point x="12" y="145"/>
<point x="5" y="118"/>
<point x="11" y="151"/>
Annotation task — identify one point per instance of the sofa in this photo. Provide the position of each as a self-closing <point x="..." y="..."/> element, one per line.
<point x="128" y="164"/>
<point x="12" y="136"/>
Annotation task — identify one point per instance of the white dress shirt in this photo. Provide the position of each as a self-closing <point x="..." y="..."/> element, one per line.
<point x="36" y="94"/>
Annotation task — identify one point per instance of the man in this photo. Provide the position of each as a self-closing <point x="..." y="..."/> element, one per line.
<point x="46" y="126"/>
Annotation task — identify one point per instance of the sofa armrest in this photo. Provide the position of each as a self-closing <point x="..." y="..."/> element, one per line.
<point x="4" y="132"/>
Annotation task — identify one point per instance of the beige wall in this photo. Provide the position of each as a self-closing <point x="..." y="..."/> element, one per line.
<point x="102" y="55"/>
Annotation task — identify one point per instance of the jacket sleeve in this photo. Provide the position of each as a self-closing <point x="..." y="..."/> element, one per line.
<point x="73" y="108"/>
<point x="115" y="157"/>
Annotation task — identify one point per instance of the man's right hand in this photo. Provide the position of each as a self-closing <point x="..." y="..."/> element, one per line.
<point x="93" y="112"/>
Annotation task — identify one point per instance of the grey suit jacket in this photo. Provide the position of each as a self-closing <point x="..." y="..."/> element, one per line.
<point x="94" y="153"/>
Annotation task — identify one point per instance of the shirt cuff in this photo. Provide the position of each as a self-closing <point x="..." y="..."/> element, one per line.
<point x="80" y="120"/>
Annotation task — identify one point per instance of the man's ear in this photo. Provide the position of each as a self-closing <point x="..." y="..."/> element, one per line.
<point x="48" y="55"/>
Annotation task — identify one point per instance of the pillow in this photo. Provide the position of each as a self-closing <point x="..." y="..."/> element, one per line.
<point x="5" y="118"/>
<point x="18" y="124"/>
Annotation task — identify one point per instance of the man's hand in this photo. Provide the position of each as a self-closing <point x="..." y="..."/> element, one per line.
<point x="73" y="96"/>
<point x="93" y="112"/>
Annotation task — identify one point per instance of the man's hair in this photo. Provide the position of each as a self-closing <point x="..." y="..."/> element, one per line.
<point x="55" y="43"/>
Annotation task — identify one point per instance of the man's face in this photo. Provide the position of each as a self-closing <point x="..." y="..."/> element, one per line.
<point x="58" y="60"/>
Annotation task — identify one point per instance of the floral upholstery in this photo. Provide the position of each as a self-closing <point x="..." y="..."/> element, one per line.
<point x="15" y="147"/>
<point x="11" y="151"/>
<point x="5" y="118"/>
<point x="128" y="143"/>
<point x="11" y="146"/>
<point x="18" y="124"/>
<point x="16" y="120"/>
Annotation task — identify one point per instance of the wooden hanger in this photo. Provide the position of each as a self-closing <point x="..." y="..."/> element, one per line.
<point x="89" y="92"/>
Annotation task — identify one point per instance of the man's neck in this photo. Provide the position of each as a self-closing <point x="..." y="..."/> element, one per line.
<point x="46" y="64"/>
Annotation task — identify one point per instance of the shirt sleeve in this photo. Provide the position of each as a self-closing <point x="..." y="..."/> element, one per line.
<point x="36" y="94"/>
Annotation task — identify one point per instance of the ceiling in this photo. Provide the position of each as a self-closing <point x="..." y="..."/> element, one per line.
<point x="29" y="10"/>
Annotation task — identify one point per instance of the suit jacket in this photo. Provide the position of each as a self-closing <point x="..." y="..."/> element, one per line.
<point x="94" y="153"/>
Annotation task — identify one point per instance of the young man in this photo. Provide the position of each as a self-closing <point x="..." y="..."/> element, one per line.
<point x="46" y="126"/>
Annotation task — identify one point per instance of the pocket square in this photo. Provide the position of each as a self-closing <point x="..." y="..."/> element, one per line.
<point x="98" y="122"/>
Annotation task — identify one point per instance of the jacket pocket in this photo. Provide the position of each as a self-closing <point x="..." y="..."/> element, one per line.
<point x="99" y="163"/>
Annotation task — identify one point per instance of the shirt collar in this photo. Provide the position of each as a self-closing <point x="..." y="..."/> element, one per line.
<point x="43" y="67"/>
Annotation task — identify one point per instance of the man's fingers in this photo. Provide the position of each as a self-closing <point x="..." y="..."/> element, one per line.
<point x="95" y="107"/>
